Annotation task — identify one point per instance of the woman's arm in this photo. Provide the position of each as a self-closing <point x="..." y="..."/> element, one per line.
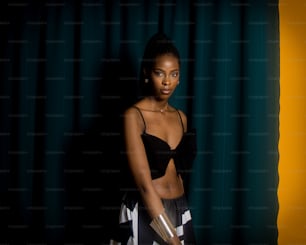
<point x="138" y="163"/>
<point x="139" y="166"/>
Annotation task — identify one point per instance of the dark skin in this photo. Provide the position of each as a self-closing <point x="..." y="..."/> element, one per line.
<point x="164" y="125"/>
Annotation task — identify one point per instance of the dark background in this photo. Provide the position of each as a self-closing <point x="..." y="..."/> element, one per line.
<point x="68" y="69"/>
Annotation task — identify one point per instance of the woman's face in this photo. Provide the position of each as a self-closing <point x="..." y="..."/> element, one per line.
<point x="165" y="76"/>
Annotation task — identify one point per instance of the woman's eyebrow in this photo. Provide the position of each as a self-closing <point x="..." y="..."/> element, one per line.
<point x="156" y="68"/>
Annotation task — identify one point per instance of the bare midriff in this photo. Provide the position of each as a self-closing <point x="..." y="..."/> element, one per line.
<point x="170" y="185"/>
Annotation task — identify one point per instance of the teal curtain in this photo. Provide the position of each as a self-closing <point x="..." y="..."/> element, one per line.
<point x="70" y="68"/>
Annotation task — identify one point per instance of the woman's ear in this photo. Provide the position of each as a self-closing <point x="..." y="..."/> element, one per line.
<point x="145" y="77"/>
<point x="144" y="73"/>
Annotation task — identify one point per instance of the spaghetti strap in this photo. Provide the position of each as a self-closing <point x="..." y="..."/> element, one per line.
<point x="144" y="122"/>
<point x="180" y="119"/>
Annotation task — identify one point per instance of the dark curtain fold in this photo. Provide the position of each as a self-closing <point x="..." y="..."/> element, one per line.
<point x="70" y="68"/>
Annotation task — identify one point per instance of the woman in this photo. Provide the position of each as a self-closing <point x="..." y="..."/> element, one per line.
<point x="159" y="150"/>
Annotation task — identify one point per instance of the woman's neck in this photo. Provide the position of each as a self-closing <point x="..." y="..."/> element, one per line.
<point x="156" y="105"/>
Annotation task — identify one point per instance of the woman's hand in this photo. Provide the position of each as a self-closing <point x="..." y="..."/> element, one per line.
<point x="174" y="241"/>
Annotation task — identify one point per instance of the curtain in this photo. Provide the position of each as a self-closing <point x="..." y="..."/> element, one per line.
<point x="70" y="68"/>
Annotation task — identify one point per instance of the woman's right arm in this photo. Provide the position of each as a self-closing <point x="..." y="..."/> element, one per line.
<point x="138" y="163"/>
<point x="139" y="166"/>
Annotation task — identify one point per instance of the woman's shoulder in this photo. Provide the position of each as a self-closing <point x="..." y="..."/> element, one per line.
<point x="182" y="116"/>
<point x="135" y="108"/>
<point x="132" y="116"/>
<point x="133" y="112"/>
<point x="130" y="112"/>
<point x="132" y="109"/>
<point x="181" y="113"/>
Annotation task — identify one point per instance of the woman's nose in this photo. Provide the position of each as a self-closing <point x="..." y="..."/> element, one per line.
<point x="166" y="80"/>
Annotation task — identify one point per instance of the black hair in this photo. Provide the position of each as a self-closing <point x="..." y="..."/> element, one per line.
<point x="159" y="44"/>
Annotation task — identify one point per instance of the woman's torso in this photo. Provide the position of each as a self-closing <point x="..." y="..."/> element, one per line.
<point x="163" y="132"/>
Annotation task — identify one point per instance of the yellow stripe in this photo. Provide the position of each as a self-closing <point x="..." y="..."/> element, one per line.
<point x="292" y="144"/>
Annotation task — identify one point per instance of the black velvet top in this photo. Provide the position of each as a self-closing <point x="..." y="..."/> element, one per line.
<point x="159" y="152"/>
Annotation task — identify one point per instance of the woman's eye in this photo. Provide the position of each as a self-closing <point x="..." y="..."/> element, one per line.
<point x="158" y="73"/>
<point x="175" y="74"/>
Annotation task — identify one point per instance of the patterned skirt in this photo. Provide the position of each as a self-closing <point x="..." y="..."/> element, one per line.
<point x="134" y="222"/>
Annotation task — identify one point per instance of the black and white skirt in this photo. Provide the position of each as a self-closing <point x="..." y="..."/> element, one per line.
<point x="134" y="222"/>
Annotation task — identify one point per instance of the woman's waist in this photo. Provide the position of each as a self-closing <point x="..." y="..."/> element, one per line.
<point x="168" y="189"/>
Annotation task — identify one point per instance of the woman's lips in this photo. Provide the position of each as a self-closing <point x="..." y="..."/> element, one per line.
<point x="165" y="91"/>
